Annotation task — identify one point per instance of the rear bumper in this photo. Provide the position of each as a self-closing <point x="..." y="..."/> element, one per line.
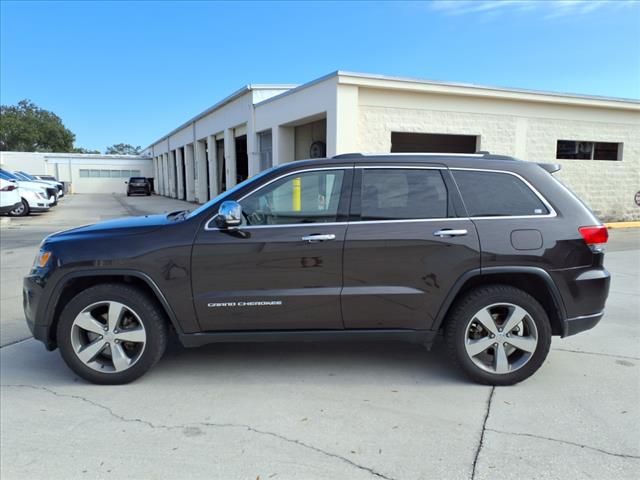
<point x="584" y="293"/>
<point x="580" y="324"/>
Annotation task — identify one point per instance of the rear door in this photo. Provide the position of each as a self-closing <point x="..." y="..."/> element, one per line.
<point x="407" y="243"/>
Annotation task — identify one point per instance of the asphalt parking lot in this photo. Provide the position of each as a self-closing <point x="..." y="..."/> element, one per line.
<point x="316" y="411"/>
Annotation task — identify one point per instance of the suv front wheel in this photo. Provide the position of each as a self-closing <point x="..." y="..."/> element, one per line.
<point x="498" y="334"/>
<point x="111" y="334"/>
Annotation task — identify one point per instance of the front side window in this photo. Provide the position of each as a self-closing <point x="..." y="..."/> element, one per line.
<point x="308" y="197"/>
<point x="402" y="194"/>
<point x="493" y="194"/>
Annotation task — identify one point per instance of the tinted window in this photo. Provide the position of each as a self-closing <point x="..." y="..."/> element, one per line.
<point x="489" y="194"/>
<point x="310" y="197"/>
<point x="138" y="179"/>
<point x="400" y="194"/>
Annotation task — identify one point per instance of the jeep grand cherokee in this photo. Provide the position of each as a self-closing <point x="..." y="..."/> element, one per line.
<point x="493" y="252"/>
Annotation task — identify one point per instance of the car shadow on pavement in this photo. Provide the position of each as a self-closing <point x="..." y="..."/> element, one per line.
<point x="322" y="363"/>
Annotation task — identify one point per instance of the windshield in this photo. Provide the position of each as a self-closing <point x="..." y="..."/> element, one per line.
<point x="224" y="195"/>
<point x="137" y="179"/>
<point x="7" y="176"/>
<point x="26" y="175"/>
<point x="21" y="177"/>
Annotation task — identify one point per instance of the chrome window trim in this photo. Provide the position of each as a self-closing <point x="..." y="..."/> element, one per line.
<point x="334" y="224"/>
<point x="284" y="175"/>
<point x="402" y="167"/>
<point x="552" y="213"/>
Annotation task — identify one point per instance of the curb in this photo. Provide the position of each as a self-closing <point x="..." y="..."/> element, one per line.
<point x="615" y="225"/>
<point x="5" y="220"/>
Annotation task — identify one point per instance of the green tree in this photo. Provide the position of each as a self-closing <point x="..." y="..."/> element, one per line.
<point x="83" y="150"/>
<point x="28" y="128"/>
<point x="123" y="149"/>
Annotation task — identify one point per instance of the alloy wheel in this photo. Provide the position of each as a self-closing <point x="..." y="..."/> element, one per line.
<point x="501" y="338"/>
<point x="108" y="337"/>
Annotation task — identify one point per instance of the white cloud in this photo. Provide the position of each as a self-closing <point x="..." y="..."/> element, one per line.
<point x="549" y="8"/>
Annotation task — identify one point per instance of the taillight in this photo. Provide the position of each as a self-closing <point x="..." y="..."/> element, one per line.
<point x="8" y="188"/>
<point x="594" y="235"/>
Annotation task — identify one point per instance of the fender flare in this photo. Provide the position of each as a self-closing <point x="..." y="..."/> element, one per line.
<point x="488" y="271"/>
<point x="64" y="281"/>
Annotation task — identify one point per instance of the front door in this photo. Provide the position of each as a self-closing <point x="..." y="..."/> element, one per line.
<point x="282" y="268"/>
<point x="405" y="248"/>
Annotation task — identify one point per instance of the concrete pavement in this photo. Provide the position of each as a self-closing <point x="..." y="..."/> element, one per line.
<point x="320" y="411"/>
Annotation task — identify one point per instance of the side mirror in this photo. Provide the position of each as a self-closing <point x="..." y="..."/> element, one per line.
<point x="126" y="182"/>
<point x="229" y="214"/>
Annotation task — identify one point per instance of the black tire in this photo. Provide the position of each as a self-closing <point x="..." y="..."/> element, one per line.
<point x="150" y="314"/>
<point x="128" y="194"/>
<point x="462" y="315"/>
<point x="21" y="211"/>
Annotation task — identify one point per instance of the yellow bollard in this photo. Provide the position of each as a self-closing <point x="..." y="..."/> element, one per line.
<point x="296" y="195"/>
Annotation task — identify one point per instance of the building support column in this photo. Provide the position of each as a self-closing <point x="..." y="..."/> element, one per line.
<point x="189" y="173"/>
<point x="230" y="158"/>
<point x="156" y="183"/>
<point x="212" y="158"/>
<point x="166" y="176"/>
<point x="201" y="171"/>
<point x="179" y="173"/>
<point x="283" y="144"/>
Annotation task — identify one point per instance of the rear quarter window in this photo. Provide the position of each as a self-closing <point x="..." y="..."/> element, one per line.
<point x="494" y="194"/>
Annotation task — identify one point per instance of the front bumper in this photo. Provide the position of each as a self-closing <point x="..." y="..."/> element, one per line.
<point x="32" y="303"/>
<point x="39" y="207"/>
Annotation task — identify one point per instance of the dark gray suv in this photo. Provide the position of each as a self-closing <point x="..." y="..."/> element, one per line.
<point x="491" y="251"/>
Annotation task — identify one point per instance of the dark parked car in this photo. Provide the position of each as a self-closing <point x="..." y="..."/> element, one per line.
<point x="138" y="185"/>
<point x="493" y="252"/>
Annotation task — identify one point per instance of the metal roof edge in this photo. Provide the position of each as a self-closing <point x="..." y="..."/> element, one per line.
<point x="577" y="96"/>
<point x="228" y="99"/>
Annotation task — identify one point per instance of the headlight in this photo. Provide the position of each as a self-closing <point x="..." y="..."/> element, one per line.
<point x="42" y="259"/>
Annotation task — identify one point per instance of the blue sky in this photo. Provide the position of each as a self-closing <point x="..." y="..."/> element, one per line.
<point x="130" y="72"/>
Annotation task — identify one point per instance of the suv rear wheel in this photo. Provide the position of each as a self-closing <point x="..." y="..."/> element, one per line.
<point x="111" y="334"/>
<point x="498" y="334"/>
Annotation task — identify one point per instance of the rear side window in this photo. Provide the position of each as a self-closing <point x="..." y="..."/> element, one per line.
<point x="402" y="194"/>
<point x="492" y="194"/>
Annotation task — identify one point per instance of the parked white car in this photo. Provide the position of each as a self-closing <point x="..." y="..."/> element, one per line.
<point x="49" y="192"/>
<point x="51" y="178"/>
<point x="32" y="178"/>
<point x="10" y="198"/>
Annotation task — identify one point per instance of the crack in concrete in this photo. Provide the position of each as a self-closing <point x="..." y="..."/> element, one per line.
<point x="596" y="353"/>
<point x="15" y="342"/>
<point x="566" y="442"/>
<point x="204" y="424"/>
<point x="484" y="429"/>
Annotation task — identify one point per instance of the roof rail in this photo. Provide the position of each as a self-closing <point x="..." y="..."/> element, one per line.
<point x="349" y="155"/>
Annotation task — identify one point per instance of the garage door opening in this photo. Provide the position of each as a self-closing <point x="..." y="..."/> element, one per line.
<point x="402" y="142"/>
<point x="242" y="159"/>
<point x="222" y="168"/>
<point x="181" y="190"/>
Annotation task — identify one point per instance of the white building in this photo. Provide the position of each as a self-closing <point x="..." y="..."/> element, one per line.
<point x="596" y="139"/>
<point x="87" y="173"/>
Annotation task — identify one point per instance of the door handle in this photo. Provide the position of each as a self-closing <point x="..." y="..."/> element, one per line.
<point x="448" y="232"/>
<point x="318" y="238"/>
